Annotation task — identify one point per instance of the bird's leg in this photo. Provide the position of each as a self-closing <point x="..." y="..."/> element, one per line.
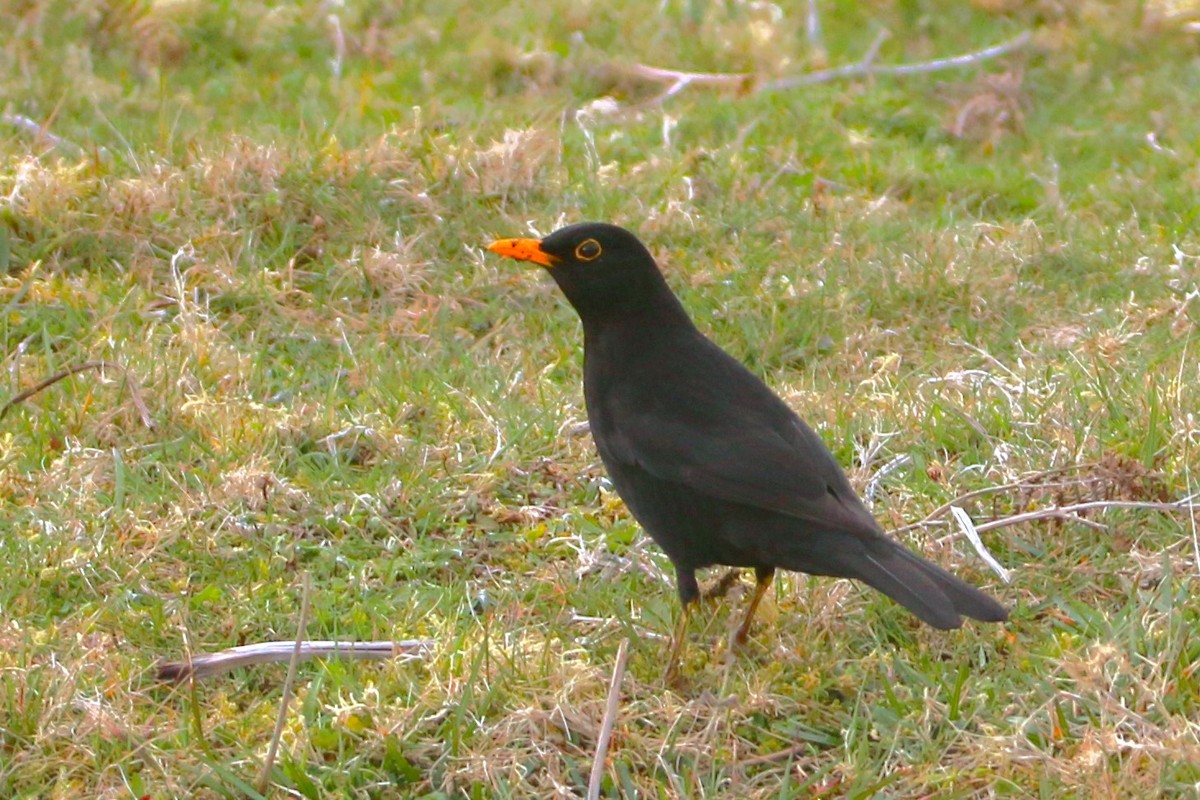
<point x="672" y="673"/>
<point x="763" y="577"/>
<point x="689" y="593"/>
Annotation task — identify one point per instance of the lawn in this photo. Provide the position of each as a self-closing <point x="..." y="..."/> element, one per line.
<point x="254" y="235"/>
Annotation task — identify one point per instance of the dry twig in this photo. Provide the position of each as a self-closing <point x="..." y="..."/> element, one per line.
<point x="40" y="131"/>
<point x="135" y="390"/>
<point x="1071" y="512"/>
<point x="866" y="65"/>
<point x="680" y="80"/>
<point x="1004" y="487"/>
<point x="610" y="718"/>
<point x="206" y="666"/>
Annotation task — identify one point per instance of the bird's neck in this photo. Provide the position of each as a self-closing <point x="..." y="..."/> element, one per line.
<point x="652" y="306"/>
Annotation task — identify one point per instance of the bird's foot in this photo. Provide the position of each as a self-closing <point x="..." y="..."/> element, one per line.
<point x="723" y="584"/>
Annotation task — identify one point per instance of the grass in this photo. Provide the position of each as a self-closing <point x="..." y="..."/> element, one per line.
<point x="287" y="259"/>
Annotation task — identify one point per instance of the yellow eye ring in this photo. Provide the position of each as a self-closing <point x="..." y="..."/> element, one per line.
<point x="588" y="250"/>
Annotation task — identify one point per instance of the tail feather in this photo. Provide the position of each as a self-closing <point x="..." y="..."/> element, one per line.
<point x="968" y="600"/>
<point x="925" y="589"/>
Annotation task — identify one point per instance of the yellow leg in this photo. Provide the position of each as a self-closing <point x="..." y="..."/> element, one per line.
<point x="672" y="674"/>
<point x="763" y="583"/>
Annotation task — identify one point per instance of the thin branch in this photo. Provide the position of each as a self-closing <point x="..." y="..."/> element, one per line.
<point x="1071" y="511"/>
<point x="873" y="51"/>
<point x="660" y="75"/>
<point x="39" y="131"/>
<point x="872" y="488"/>
<point x="135" y="390"/>
<point x="1024" y="483"/>
<point x="865" y="67"/>
<point x="681" y="79"/>
<point x="264" y="777"/>
<point x="610" y="718"/>
<point x="206" y="666"/>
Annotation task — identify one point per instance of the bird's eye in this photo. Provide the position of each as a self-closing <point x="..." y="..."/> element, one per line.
<point x="588" y="250"/>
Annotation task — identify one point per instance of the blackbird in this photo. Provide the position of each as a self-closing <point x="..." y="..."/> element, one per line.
<point x="715" y="467"/>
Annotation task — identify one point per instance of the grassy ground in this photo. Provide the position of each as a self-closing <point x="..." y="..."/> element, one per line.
<point x="270" y="217"/>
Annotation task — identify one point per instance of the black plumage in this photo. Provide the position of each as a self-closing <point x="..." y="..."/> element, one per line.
<point x="715" y="467"/>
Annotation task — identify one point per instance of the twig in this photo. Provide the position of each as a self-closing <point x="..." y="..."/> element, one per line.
<point x="135" y="391"/>
<point x="40" y="131"/>
<point x="873" y="51"/>
<point x="1069" y="512"/>
<point x="680" y="79"/>
<point x="865" y="67"/>
<point x="264" y="777"/>
<point x="610" y="718"/>
<point x="206" y="666"/>
<point x="661" y="75"/>
<point x="972" y="533"/>
<point x="872" y="488"/>
<point x="1024" y="483"/>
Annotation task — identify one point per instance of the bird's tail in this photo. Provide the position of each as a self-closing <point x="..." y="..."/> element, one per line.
<point x="925" y="589"/>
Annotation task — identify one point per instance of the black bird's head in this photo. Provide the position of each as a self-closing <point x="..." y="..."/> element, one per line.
<point x="604" y="271"/>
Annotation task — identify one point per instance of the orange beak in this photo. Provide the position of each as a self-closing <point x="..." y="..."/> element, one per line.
<point x="523" y="250"/>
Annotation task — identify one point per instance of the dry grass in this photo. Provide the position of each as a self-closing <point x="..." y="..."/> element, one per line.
<point x="994" y="275"/>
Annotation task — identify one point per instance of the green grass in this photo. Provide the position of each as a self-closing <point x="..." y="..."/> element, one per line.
<point x="289" y="264"/>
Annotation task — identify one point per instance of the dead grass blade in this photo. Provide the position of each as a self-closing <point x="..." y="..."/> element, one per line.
<point x="264" y="777"/>
<point x="972" y="533"/>
<point x="610" y="718"/>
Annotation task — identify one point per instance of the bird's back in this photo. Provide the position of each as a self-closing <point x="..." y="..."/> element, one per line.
<point x="709" y="401"/>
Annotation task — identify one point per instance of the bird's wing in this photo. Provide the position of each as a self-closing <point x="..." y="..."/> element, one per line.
<point x="765" y="457"/>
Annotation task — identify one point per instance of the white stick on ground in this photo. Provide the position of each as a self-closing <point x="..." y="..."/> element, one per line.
<point x="206" y="666"/>
<point x="610" y="718"/>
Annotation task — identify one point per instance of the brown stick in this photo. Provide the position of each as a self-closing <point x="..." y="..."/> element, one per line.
<point x="135" y="391"/>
